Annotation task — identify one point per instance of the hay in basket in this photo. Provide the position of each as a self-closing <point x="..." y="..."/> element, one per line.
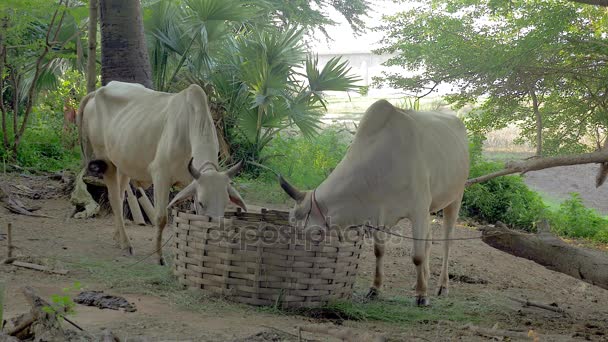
<point x="259" y="259"/>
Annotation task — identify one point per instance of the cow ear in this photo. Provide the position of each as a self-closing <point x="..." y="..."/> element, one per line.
<point x="184" y="194"/>
<point x="236" y="198"/>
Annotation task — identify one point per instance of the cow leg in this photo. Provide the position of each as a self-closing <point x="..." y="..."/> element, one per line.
<point x="123" y="182"/>
<point x="161" y="200"/>
<point x="115" y="184"/>
<point x="450" y="214"/>
<point x="379" y="275"/>
<point x="427" y="254"/>
<point x="420" y="227"/>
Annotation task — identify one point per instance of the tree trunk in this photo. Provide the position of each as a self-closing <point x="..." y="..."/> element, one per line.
<point x="124" y="56"/>
<point x="539" y="124"/>
<point x="602" y="173"/>
<point x="548" y="250"/>
<point x="91" y="58"/>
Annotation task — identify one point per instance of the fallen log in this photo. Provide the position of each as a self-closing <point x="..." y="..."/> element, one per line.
<point x="550" y="251"/>
<point x="15" y="205"/>
<point x="45" y="325"/>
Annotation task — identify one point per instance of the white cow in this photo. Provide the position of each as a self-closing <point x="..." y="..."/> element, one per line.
<point x="401" y="164"/>
<point x="154" y="138"/>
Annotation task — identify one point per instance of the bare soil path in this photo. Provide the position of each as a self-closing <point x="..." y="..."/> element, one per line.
<point x="484" y="279"/>
<point x="559" y="182"/>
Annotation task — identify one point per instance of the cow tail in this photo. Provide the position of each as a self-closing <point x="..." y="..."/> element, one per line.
<point x="85" y="146"/>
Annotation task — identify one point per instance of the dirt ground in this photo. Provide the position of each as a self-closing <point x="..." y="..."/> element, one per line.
<point x="559" y="182"/>
<point x="484" y="280"/>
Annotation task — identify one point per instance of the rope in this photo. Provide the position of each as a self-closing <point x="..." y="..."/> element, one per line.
<point x="415" y="239"/>
<point x="150" y="254"/>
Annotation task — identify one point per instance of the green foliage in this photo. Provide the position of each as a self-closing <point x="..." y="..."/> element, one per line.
<point x="506" y="199"/>
<point x="63" y="304"/>
<point x="505" y="54"/>
<point x="307" y="162"/>
<point x="46" y="145"/>
<point x="250" y="70"/>
<point x="573" y="219"/>
<point x="39" y="41"/>
<point x="363" y="90"/>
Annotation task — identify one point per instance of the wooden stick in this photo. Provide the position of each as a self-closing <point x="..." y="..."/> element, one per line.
<point x="2" y="287"/>
<point x="538" y="305"/>
<point x="39" y="267"/>
<point x="147" y="206"/>
<point x="138" y="217"/>
<point x="9" y="241"/>
<point x="24" y="324"/>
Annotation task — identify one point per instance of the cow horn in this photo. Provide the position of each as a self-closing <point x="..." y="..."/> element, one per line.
<point x="231" y="172"/>
<point x="291" y="190"/>
<point x="193" y="171"/>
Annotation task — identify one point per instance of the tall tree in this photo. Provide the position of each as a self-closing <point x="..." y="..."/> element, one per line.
<point x="124" y="56"/>
<point x="539" y="64"/>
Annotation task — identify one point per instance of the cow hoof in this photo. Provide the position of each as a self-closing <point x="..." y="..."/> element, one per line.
<point x="128" y="250"/>
<point x="161" y="261"/>
<point x="422" y="301"/>
<point x="442" y="291"/>
<point x="372" y="294"/>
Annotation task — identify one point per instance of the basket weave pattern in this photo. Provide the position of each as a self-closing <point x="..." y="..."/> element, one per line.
<point x="259" y="259"/>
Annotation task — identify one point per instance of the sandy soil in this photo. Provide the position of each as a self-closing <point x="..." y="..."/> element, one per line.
<point x="160" y="317"/>
<point x="559" y="182"/>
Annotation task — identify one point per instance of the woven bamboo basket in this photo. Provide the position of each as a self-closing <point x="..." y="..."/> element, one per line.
<point x="259" y="259"/>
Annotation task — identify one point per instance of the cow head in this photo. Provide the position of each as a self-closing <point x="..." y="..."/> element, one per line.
<point x="211" y="189"/>
<point x="303" y="214"/>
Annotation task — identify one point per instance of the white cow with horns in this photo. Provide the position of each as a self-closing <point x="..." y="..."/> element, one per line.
<point x="401" y="164"/>
<point x="154" y="138"/>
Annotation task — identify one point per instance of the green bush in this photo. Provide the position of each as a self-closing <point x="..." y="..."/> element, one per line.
<point x="575" y="220"/>
<point x="507" y="199"/>
<point x="306" y="162"/>
<point x="45" y="146"/>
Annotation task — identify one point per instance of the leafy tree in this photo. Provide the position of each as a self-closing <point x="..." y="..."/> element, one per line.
<point x="257" y="75"/>
<point x="38" y="40"/>
<point x="539" y="64"/>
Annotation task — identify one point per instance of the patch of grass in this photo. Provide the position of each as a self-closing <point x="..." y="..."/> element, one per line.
<point x="404" y="311"/>
<point x="399" y="310"/>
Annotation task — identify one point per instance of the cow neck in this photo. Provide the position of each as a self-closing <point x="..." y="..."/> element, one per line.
<point x="314" y="205"/>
